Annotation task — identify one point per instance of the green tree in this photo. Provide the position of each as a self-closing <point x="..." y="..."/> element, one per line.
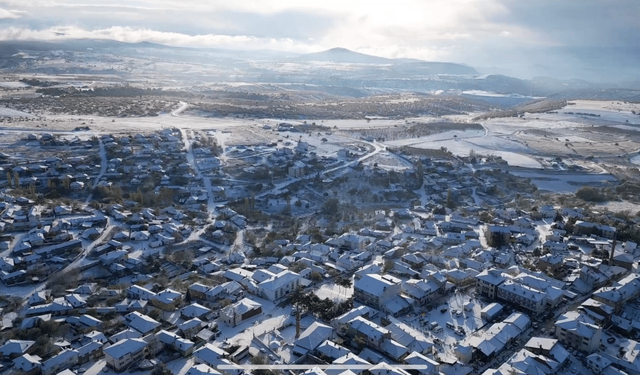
<point x="161" y="369"/>
<point x="450" y="202"/>
<point x="388" y="266"/>
<point x="330" y="207"/>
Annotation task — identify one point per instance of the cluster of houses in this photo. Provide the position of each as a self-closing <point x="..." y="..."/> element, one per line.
<point x="405" y="264"/>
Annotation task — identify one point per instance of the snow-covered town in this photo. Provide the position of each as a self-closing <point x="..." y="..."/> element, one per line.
<point x="308" y="246"/>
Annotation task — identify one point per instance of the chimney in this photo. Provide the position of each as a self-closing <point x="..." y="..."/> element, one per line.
<point x="613" y="250"/>
<point x="298" y="322"/>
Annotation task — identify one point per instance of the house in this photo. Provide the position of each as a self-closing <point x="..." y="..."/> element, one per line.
<point x="198" y="291"/>
<point x="423" y="291"/>
<point x="138" y="292"/>
<point x="209" y="354"/>
<point x="62" y="361"/>
<point x="183" y="346"/>
<point x="461" y="278"/>
<point x="202" y="369"/>
<point x="311" y="338"/>
<point x="297" y="169"/>
<point x="409" y="338"/>
<point x="90" y="352"/>
<point x="586" y="228"/>
<point x="497" y="236"/>
<point x="620" y="292"/>
<point x="279" y="285"/>
<point x="523" y="296"/>
<point x="240" y="311"/>
<point x="550" y="263"/>
<point x="126" y="334"/>
<point x="370" y="333"/>
<point x="191" y="327"/>
<point x="330" y="351"/>
<point x="623" y="260"/>
<point x="124" y="353"/>
<point x="15" y="348"/>
<point x="195" y="311"/>
<point x="576" y="331"/>
<point x="491" y="311"/>
<point x="487" y="283"/>
<point x="167" y="300"/>
<point x="547" y="347"/>
<point x="341" y="323"/>
<point x="382" y="292"/>
<point x="29" y="364"/>
<point x="141" y="322"/>
<point x="428" y="365"/>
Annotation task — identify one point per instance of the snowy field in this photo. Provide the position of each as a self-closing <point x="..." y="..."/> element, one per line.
<point x="13" y="85"/>
<point x="334" y="292"/>
<point x="469" y="320"/>
<point x="461" y="143"/>
<point x="8" y="112"/>
<point x="564" y="183"/>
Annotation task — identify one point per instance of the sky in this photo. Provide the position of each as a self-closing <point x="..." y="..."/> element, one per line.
<point x="481" y="33"/>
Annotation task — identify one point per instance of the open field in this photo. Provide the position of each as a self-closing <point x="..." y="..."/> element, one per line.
<point x="583" y="137"/>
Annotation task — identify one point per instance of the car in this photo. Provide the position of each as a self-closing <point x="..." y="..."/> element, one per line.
<point x="263" y="350"/>
<point x="611" y="340"/>
<point x="443" y="310"/>
<point x="535" y="325"/>
<point x="459" y="333"/>
<point x="458" y="314"/>
<point x="574" y="370"/>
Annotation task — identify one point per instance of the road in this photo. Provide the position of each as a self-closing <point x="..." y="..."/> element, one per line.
<point x="179" y="110"/>
<point x="377" y="147"/>
<point x="103" y="170"/>
<point x="188" y="145"/>
<point x="86" y="250"/>
<point x="278" y="187"/>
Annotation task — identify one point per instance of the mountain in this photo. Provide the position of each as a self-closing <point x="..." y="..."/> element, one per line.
<point x="403" y="65"/>
<point x="343" y="55"/>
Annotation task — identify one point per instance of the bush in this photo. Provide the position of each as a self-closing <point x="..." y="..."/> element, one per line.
<point x="590" y="194"/>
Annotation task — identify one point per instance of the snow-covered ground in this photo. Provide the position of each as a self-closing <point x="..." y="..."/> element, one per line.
<point x="334" y="292"/>
<point x="565" y="182"/>
<point x="469" y="320"/>
<point x="8" y="112"/>
<point x="13" y="85"/>
<point x="460" y="143"/>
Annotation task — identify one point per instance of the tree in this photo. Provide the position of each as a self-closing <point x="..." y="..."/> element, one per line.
<point x="161" y="369"/>
<point x="419" y="170"/>
<point x="330" y="207"/>
<point x="261" y="359"/>
<point x="450" y="203"/>
<point x="388" y="266"/>
<point x="558" y="218"/>
<point x="315" y="276"/>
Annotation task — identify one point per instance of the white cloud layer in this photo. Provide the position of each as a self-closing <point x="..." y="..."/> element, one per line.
<point x="477" y="32"/>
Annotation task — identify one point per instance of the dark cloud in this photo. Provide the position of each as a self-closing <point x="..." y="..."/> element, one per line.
<point x="575" y="23"/>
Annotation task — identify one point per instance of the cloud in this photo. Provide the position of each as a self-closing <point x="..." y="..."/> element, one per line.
<point x="133" y="35"/>
<point x="8" y="14"/>
<point x="478" y="32"/>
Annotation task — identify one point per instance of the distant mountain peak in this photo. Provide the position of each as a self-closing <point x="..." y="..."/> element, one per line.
<point x="344" y="55"/>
